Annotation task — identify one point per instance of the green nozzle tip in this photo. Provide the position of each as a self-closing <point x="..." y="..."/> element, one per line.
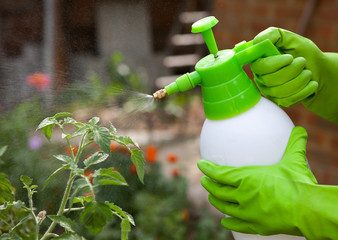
<point x="204" y="26"/>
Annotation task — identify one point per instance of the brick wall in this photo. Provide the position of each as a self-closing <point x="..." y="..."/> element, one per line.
<point x="243" y="19"/>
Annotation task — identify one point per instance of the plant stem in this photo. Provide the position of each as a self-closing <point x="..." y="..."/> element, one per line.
<point x="62" y="205"/>
<point x="73" y="209"/>
<point x="68" y="188"/>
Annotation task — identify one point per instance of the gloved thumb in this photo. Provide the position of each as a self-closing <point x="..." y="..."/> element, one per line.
<point x="295" y="156"/>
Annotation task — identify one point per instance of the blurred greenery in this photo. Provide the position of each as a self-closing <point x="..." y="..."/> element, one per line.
<point x="160" y="206"/>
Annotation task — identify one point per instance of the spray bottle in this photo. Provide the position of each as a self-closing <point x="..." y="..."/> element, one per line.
<point x="241" y="128"/>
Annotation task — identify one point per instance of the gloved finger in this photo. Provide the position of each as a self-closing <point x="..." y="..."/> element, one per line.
<point x="289" y="88"/>
<point x="225" y="207"/>
<point x="295" y="98"/>
<point x="270" y="64"/>
<point x="220" y="191"/>
<point x="271" y="33"/>
<point x="222" y="174"/>
<point x="284" y="74"/>
<point x="237" y="225"/>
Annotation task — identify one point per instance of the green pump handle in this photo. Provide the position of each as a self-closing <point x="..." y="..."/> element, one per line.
<point x="227" y="91"/>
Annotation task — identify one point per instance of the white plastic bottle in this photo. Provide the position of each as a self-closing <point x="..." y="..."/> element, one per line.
<point x="242" y="128"/>
<point x="256" y="137"/>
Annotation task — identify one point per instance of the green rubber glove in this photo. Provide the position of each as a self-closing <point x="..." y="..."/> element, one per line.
<point x="303" y="73"/>
<point x="279" y="199"/>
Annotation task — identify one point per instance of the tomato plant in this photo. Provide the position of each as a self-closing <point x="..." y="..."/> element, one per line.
<point x="85" y="178"/>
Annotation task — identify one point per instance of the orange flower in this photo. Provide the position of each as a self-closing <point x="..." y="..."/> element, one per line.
<point x="133" y="169"/>
<point x="175" y="173"/>
<point x="172" y="158"/>
<point x="113" y="146"/>
<point x="151" y="153"/>
<point x="38" y="80"/>
<point x="88" y="173"/>
<point x="74" y="149"/>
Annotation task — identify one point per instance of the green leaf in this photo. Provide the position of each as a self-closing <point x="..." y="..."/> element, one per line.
<point x="120" y="213"/>
<point x="69" y="236"/>
<point x="138" y="159"/>
<point x="83" y="199"/>
<point x="108" y="177"/>
<point x="69" y="120"/>
<point x="102" y="138"/>
<point x="26" y="180"/>
<point x="64" y="222"/>
<point x="7" y="236"/>
<point x="125" y="140"/>
<point x="60" y="169"/>
<point x="5" y="206"/>
<point x="6" y="189"/>
<point x="79" y="184"/>
<point x="47" y="126"/>
<point x="62" y="114"/>
<point x="64" y="158"/>
<point x="94" y="121"/>
<point x="95" y="158"/>
<point x="112" y="129"/>
<point x="20" y="223"/>
<point x="3" y="150"/>
<point x="18" y="204"/>
<point x="80" y="131"/>
<point x="95" y="216"/>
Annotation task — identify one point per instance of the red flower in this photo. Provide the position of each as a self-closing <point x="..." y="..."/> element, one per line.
<point x="151" y="153"/>
<point x="113" y="146"/>
<point x="88" y="173"/>
<point x="38" y="80"/>
<point x="175" y="173"/>
<point x="67" y="150"/>
<point x="172" y="158"/>
<point x="133" y="169"/>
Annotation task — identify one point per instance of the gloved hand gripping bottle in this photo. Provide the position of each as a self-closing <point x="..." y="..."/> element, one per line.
<point x="241" y="128"/>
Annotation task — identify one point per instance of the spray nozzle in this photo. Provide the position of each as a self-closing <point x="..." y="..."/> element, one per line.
<point x="204" y="26"/>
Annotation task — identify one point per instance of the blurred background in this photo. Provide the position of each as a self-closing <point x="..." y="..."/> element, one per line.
<point x="104" y="57"/>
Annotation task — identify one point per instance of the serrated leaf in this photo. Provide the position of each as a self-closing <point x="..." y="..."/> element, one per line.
<point x="26" y="180"/>
<point x="47" y="126"/>
<point x="102" y="138"/>
<point x="112" y="129"/>
<point x="95" y="216"/>
<point x="64" y="158"/>
<point x="46" y="122"/>
<point x="122" y="214"/>
<point x="3" y="150"/>
<point x="69" y="120"/>
<point x="6" y="189"/>
<point x="64" y="222"/>
<point x="69" y="236"/>
<point x="95" y="158"/>
<point x="62" y="114"/>
<point x="80" y="131"/>
<point x="60" y="169"/>
<point x="94" y="121"/>
<point x="108" y="177"/>
<point x="138" y="159"/>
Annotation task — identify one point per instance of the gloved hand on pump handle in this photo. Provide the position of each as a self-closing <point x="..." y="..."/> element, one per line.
<point x="284" y="198"/>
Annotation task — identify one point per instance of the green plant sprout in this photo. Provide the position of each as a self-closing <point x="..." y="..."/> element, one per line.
<point x="81" y="188"/>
